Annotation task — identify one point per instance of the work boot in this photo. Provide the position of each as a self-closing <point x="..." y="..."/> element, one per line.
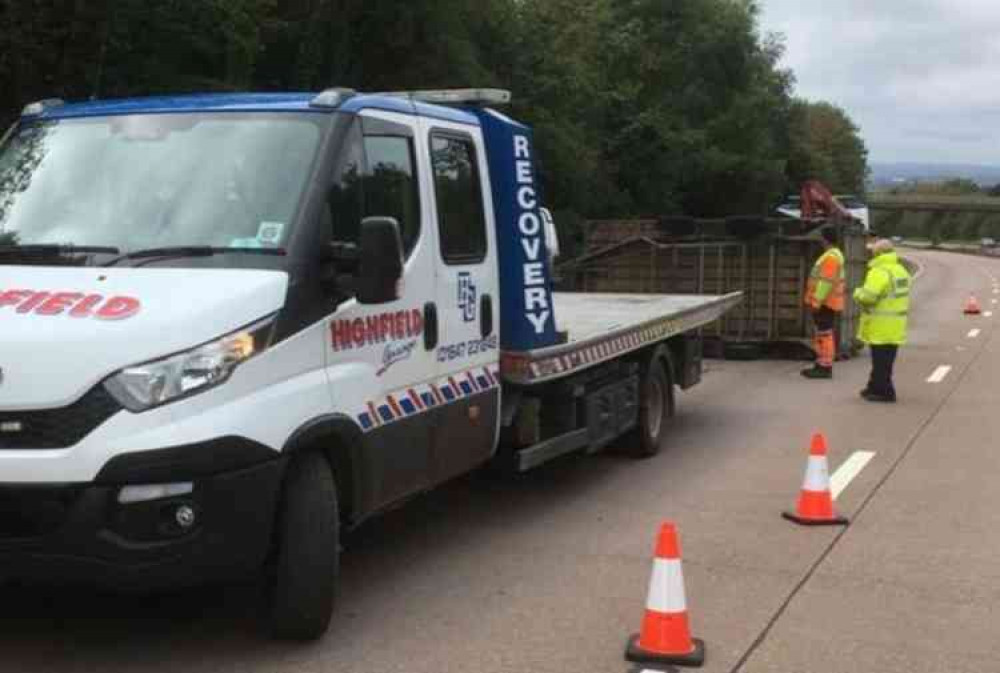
<point x="817" y="372"/>
<point x="876" y="397"/>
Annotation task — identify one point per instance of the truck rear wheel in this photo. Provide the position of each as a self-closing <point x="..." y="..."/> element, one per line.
<point x="306" y="563"/>
<point x="656" y="408"/>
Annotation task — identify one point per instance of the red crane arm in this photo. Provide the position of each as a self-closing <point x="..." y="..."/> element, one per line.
<point x="817" y="201"/>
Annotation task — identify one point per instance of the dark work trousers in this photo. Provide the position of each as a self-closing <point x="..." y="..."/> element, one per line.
<point x="883" y="359"/>
<point x="824" y="319"/>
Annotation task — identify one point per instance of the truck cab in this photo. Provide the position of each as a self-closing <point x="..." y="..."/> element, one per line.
<point x="233" y="325"/>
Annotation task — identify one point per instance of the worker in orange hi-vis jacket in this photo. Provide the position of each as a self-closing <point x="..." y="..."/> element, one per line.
<point x="825" y="298"/>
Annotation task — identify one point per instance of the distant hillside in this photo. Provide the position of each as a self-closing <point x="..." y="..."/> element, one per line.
<point x="887" y="174"/>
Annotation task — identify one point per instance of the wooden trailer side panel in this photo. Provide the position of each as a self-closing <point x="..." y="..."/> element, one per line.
<point x="770" y="271"/>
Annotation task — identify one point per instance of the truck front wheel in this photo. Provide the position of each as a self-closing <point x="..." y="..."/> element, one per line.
<point x="306" y="563"/>
<point x="656" y="408"/>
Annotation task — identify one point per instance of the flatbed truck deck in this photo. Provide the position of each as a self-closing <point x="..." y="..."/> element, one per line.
<point x="600" y="327"/>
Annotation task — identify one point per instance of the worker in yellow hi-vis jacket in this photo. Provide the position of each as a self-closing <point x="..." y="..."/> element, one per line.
<point x="825" y="298"/>
<point x="885" y="303"/>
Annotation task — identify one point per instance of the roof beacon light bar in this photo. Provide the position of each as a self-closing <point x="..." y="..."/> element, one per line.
<point x="37" y="108"/>
<point x="332" y="98"/>
<point x="455" y="96"/>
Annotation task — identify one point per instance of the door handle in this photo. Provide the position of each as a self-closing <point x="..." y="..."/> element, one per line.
<point x="486" y="315"/>
<point x="430" y="326"/>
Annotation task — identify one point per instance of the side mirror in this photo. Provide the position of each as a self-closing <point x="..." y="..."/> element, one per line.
<point x="551" y="236"/>
<point x="380" y="258"/>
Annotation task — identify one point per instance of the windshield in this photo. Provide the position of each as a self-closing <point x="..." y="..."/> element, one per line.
<point x="148" y="181"/>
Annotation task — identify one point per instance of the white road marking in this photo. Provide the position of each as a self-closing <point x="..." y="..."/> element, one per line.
<point x="996" y="301"/>
<point x="846" y="473"/>
<point x="974" y="333"/>
<point x="939" y="374"/>
<point x="988" y="314"/>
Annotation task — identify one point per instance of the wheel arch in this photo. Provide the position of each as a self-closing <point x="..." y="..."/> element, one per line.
<point x="341" y="441"/>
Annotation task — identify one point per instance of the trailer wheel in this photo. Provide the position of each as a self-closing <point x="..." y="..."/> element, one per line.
<point x="306" y="563"/>
<point x="656" y="408"/>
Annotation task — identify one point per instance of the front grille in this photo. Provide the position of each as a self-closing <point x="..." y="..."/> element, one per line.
<point x="57" y="428"/>
<point x="28" y="512"/>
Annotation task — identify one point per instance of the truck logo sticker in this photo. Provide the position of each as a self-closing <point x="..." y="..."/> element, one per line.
<point x="73" y="304"/>
<point x="419" y="399"/>
<point x="394" y="353"/>
<point x="466" y="296"/>
<point x="376" y="329"/>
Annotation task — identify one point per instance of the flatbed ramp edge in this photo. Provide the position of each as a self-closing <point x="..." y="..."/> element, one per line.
<point x="603" y="327"/>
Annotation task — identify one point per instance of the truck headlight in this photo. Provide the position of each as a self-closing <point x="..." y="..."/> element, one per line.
<point x="151" y="384"/>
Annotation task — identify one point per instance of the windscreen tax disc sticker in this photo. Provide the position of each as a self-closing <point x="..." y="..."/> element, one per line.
<point x="270" y="232"/>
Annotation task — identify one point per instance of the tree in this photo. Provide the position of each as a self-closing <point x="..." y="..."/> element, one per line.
<point x="698" y="107"/>
<point x="640" y="107"/>
<point x="826" y="146"/>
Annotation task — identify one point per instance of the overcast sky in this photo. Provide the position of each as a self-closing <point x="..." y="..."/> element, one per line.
<point x="920" y="77"/>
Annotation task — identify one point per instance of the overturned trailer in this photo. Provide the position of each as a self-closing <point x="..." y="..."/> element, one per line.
<point x="769" y="260"/>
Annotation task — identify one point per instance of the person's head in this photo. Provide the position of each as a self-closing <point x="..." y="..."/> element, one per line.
<point x="829" y="236"/>
<point x="882" y="246"/>
<point x="870" y="238"/>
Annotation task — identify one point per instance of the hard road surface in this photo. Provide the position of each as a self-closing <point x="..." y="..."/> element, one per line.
<point x="548" y="573"/>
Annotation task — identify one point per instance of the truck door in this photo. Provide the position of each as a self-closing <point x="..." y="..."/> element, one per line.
<point x="467" y="305"/>
<point x="382" y="365"/>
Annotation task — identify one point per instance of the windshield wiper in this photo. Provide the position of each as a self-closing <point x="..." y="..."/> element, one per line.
<point x="54" y="250"/>
<point x="191" y="251"/>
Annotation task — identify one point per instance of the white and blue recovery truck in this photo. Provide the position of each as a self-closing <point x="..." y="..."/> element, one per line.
<point x="234" y="326"/>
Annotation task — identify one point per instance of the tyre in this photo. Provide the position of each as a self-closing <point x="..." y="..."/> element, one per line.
<point x="306" y="564"/>
<point x="656" y="409"/>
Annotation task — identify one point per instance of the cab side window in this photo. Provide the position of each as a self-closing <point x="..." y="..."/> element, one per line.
<point x="390" y="184"/>
<point x="459" y="199"/>
<point x="375" y="177"/>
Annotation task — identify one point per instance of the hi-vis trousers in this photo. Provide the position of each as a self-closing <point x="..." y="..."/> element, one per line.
<point x="825" y="320"/>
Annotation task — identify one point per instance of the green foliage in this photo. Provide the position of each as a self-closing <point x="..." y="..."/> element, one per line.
<point x="640" y="107"/>
<point x="948" y="226"/>
<point x="826" y="146"/>
<point x="952" y="187"/>
<point x="698" y="110"/>
<point x="937" y="227"/>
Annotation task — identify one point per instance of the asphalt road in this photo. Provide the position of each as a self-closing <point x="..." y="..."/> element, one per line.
<point x="548" y="573"/>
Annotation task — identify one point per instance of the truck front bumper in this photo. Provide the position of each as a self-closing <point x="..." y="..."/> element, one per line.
<point x="82" y="533"/>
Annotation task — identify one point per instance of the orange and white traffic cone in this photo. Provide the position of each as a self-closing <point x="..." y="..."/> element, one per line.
<point x="665" y="637"/>
<point x="972" y="306"/>
<point x="815" y="506"/>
